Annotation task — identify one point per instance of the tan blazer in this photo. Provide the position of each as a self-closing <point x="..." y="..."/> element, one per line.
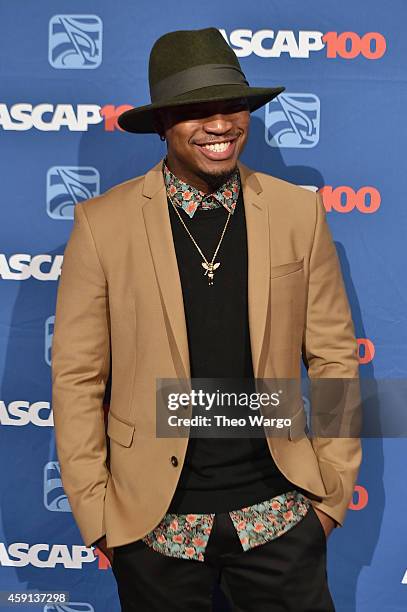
<point x="120" y="305"/>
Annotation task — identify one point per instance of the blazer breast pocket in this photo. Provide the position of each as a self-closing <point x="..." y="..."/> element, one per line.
<point x="287" y="300"/>
<point x="285" y="269"/>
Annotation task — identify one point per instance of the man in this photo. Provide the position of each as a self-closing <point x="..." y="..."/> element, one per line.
<point x="201" y="268"/>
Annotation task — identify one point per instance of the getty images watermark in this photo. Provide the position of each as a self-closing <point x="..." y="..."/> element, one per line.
<point x="288" y="408"/>
<point x="215" y="401"/>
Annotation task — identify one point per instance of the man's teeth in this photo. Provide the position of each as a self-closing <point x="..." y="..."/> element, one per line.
<point x="218" y="147"/>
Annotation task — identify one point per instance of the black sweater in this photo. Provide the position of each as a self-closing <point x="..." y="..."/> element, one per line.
<point x="220" y="474"/>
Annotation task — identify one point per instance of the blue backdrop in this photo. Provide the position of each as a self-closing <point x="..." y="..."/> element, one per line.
<point x="67" y="70"/>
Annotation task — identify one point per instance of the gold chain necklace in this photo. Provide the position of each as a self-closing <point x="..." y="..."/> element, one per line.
<point x="209" y="266"/>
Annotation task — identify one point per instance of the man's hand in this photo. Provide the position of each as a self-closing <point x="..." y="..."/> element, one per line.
<point x="328" y="523"/>
<point x="108" y="552"/>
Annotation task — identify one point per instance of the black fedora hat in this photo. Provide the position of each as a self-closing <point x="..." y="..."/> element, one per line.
<point x="192" y="66"/>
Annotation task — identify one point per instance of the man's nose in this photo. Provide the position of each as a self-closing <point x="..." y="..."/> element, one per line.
<point x="217" y="124"/>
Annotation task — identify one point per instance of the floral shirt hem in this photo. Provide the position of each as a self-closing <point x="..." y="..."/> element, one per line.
<point x="186" y="535"/>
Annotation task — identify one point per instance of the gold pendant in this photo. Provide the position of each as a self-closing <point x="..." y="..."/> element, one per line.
<point x="210" y="269"/>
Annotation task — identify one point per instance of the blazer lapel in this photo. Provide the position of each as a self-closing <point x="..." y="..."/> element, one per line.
<point x="158" y="228"/>
<point x="258" y="252"/>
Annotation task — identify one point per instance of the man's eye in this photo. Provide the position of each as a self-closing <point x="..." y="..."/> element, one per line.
<point x="192" y="113"/>
<point x="236" y="107"/>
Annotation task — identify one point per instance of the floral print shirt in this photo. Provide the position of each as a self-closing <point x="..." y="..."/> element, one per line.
<point x="186" y="535"/>
<point x="190" y="199"/>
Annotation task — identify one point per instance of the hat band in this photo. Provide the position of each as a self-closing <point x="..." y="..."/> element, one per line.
<point x="196" y="77"/>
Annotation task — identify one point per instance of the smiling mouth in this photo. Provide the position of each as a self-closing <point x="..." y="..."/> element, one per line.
<point x="219" y="150"/>
<point x="218" y="147"/>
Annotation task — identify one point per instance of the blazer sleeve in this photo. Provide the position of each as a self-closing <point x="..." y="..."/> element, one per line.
<point x="330" y="351"/>
<point x="80" y="367"/>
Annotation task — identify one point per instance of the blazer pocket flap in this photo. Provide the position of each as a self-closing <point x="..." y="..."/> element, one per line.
<point x="119" y="431"/>
<point x="286" y="268"/>
<point x="298" y="424"/>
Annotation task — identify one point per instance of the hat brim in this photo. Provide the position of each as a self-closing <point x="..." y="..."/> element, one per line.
<point x="141" y="120"/>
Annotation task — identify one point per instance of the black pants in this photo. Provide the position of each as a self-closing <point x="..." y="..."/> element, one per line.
<point x="287" y="574"/>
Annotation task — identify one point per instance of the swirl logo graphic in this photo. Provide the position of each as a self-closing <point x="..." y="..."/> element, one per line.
<point x="292" y="121"/>
<point x="68" y="185"/>
<point x="72" y="606"/>
<point x="75" y="41"/>
<point x="48" y="335"/>
<point x="55" y="498"/>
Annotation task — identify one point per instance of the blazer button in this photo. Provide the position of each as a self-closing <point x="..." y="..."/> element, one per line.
<point x="174" y="461"/>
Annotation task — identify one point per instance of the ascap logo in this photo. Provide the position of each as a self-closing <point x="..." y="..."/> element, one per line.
<point x="68" y="185"/>
<point x="366" y="350"/>
<point x="270" y="43"/>
<point x="19" y="413"/>
<point x="22" y="266"/>
<point x="55" y="498"/>
<point x="21" y="554"/>
<point x="51" y="118"/>
<point x="292" y="120"/>
<point x="73" y="606"/>
<point x="75" y="41"/>
<point x="345" y="199"/>
<point x="48" y="336"/>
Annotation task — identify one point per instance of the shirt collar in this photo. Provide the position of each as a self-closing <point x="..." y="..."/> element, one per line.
<point x="190" y="198"/>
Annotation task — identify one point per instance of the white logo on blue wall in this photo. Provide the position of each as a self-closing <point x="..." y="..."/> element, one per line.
<point x="274" y="43"/>
<point x="75" y="41"/>
<point x="68" y="185"/>
<point x="48" y="335"/>
<point x="313" y="188"/>
<point x="292" y="120"/>
<point x="55" y="498"/>
<point x="72" y="606"/>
